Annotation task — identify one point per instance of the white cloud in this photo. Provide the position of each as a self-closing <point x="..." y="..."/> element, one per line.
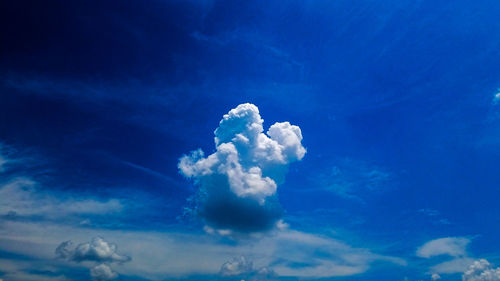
<point x="102" y="272"/>
<point x="496" y="98"/>
<point x="97" y="250"/>
<point x="435" y="276"/>
<point x="242" y="175"/>
<point x="236" y="266"/>
<point x="243" y="268"/>
<point x="452" y="246"/>
<point x="20" y="197"/>
<point x="481" y="270"/>
<point x="455" y="265"/>
<point x="158" y="255"/>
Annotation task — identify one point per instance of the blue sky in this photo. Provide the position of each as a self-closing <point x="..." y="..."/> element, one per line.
<point x="250" y="140"/>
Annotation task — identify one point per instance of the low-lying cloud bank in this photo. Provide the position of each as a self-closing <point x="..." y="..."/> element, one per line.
<point x="160" y="255"/>
<point x="238" y="182"/>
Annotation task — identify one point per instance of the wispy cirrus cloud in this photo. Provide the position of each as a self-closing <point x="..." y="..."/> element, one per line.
<point x="352" y="179"/>
<point x="451" y="246"/>
<point x="20" y="198"/>
<point x="454" y="247"/>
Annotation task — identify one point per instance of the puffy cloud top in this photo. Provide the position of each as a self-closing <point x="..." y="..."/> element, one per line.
<point x="243" y="268"/>
<point x="237" y="266"/>
<point x="245" y="170"/>
<point x="481" y="270"/>
<point x="435" y="276"/>
<point x="97" y="250"/>
<point x="102" y="272"/>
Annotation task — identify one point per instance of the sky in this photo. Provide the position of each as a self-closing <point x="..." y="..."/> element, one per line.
<point x="250" y="140"/>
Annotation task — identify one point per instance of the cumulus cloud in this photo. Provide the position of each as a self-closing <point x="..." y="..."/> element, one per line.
<point x="102" y="272"/>
<point x="176" y="254"/>
<point x="241" y="267"/>
<point x="238" y="182"/>
<point x="452" y="246"/>
<point x="64" y="250"/>
<point x="481" y="270"/>
<point x="435" y="276"/>
<point x="97" y="250"/>
<point x="237" y="266"/>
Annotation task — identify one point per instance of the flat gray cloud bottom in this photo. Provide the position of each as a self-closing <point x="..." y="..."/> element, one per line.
<point x="238" y="182"/>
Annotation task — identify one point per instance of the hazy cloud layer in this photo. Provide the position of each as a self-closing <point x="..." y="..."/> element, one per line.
<point x="238" y="182"/>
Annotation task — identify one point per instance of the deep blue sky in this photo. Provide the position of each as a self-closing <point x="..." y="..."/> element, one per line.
<point x="396" y="101"/>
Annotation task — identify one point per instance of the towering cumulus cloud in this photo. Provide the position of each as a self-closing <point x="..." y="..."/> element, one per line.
<point x="238" y="182"/>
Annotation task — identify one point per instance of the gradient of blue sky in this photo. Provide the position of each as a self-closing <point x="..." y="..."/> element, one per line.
<point x="396" y="100"/>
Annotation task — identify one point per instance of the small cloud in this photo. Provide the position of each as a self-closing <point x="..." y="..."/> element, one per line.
<point x="97" y="250"/>
<point x="243" y="268"/>
<point x="481" y="270"/>
<point x="102" y="272"/>
<point x="239" y="181"/>
<point x="452" y="246"/>
<point x="455" y="265"/>
<point x="85" y="222"/>
<point x="496" y="98"/>
<point x="435" y="276"/>
<point x="237" y="266"/>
